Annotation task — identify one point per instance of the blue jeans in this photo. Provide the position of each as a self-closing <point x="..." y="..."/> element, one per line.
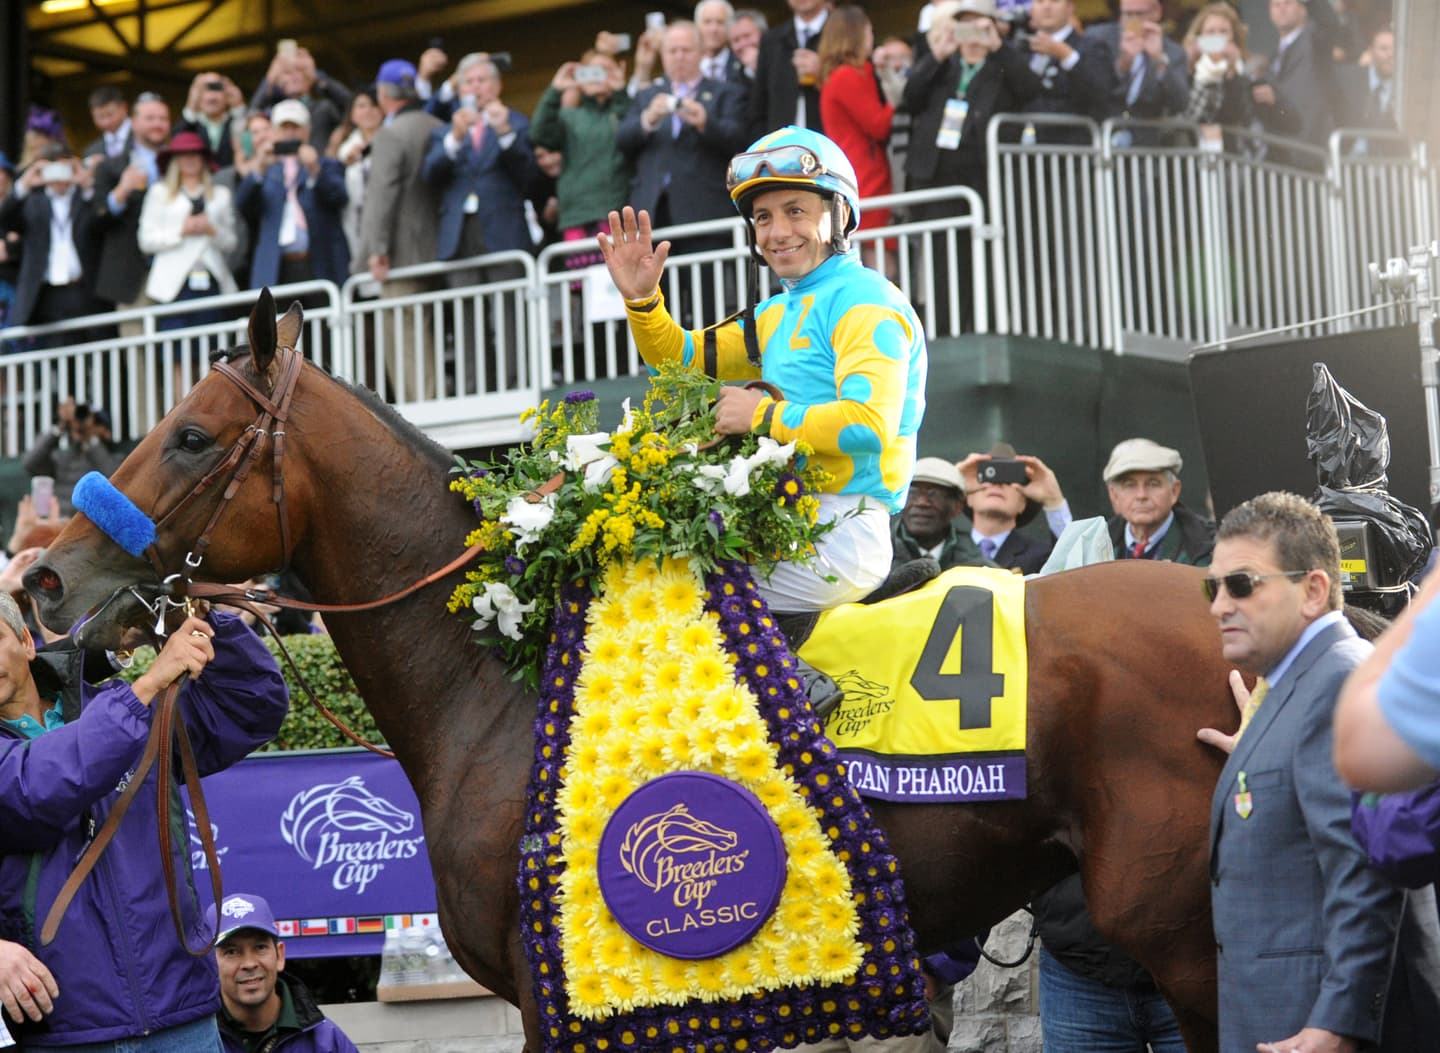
<point x="1080" y="1015"/>
<point x="199" y="1036"/>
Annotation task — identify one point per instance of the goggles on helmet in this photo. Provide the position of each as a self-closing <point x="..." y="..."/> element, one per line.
<point x="791" y="163"/>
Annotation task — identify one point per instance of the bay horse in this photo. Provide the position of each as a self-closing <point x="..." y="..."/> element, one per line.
<point x="1124" y="667"/>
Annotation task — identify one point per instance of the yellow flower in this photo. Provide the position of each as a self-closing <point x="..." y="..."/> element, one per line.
<point x="839" y="959"/>
<point x="706" y="672"/>
<point x="586" y="990"/>
<point x="838" y="917"/>
<point x="595" y="687"/>
<point x="679" y="597"/>
<point x="699" y="638"/>
<point x="702" y="743"/>
<point x="751" y="764"/>
<point x="615" y="952"/>
<point x="797" y="913"/>
<point x="621" y="991"/>
<point x="772" y="792"/>
<point x="667" y="679"/>
<point x="628" y="718"/>
<point x="729" y="706"/>
<point x="798" y="958"/>
<point x="710" y="975"/>
<point x="594" y="722"/>
<point x="830" y="882"/>
<point x="651" y="752"/>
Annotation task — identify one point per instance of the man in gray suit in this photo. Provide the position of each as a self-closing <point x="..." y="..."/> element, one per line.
<point x="400" y="225"/>
<point x="1306" y="932"/>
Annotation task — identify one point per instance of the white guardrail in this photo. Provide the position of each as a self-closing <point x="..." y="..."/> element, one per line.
<point x="1085" y="238"/>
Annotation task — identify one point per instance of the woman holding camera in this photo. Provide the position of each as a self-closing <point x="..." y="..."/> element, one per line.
<point x="595" y="178"/>
<point x="187" y="224"/>
<point x="1220" y="87"/>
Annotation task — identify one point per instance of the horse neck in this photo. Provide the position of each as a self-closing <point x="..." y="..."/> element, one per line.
<point x="385" y="521"/>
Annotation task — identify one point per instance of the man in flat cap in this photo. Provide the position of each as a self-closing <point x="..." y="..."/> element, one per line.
<point x="1150" y="522"/>
<point x="926" y="526"/>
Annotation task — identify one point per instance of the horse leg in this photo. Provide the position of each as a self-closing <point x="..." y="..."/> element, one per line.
<point x="1169" y="934"/>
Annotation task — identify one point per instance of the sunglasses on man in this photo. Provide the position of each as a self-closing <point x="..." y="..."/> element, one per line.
<point x="1240" y="584"/>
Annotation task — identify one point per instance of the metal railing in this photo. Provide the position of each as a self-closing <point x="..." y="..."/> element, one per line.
<point x="1127" y="236"/>
<point x="1108" y="243"/>
<point x="128" y="363"/>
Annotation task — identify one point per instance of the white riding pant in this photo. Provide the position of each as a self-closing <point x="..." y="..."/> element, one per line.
<point x="857" y="554"/>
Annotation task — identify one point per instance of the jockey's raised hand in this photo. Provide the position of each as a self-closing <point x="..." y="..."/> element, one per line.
<point x="635" y="263"/>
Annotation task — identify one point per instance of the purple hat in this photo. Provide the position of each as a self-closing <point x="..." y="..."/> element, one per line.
<point x="243" y="911"/>
<point x="397" y="71"/>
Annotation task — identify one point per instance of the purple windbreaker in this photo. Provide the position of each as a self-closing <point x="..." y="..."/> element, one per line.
<point x="1400" y="834"/>
<point x="120" y="968"/>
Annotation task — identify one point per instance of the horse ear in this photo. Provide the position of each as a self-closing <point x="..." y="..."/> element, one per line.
<point x="288" y="327"/>
<point x="262" y="332"/>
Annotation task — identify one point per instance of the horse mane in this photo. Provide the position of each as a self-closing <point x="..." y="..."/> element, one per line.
<point x="404" y="430"/>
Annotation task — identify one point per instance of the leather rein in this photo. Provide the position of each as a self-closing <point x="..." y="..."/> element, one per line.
<point x="181" y="593"/>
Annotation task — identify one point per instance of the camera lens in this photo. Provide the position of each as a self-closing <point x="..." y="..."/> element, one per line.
<point x="82" y="411"/>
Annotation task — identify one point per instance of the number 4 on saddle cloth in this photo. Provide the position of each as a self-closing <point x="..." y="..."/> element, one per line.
<point x="939" y="715"/>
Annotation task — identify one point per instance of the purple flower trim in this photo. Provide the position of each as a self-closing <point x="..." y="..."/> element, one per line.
<point x="893" y="1003"/>
<point x="576" y="397"/>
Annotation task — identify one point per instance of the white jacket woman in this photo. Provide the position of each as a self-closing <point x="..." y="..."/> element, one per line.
<point x="186" y="247"/>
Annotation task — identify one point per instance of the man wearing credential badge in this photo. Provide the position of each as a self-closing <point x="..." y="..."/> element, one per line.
<point x="839" y="341"/>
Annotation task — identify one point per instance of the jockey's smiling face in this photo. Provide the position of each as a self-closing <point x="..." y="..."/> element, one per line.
<point x="792" y="230"/>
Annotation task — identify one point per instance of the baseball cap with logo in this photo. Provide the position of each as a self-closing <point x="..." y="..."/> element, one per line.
<point x="290" y="111"/>
<point x="243" y="910"/>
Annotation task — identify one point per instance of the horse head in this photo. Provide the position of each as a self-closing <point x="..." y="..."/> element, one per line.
<point x="186" y="475"/>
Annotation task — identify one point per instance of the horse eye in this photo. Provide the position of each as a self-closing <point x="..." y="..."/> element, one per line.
<point x="192" y="440"/>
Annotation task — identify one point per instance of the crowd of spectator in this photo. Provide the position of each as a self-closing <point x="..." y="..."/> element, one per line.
<point x="309" y="179"/>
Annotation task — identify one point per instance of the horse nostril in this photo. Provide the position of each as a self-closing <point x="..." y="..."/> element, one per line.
<point x="47" y="579"/>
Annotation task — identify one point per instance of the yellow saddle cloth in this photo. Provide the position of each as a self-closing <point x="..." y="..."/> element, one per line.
<point x="934" y="686"/>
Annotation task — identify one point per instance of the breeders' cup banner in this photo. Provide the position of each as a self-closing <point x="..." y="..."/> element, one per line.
<point x="331" y="839"/>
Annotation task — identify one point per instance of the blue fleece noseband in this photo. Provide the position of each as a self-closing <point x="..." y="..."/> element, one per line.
<point x="114" y="513"/>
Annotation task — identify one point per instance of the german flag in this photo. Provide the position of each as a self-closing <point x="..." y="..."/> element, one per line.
<point x="373" y="923"/>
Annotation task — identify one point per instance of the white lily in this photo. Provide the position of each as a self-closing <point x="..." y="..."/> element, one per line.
<point x="585" y="451"/>
<point x="710" y="478"/>
<point x="771" y="452"/>
<point x="580" y="450"/>
<point x="528" y="518"/>
<point x="627" y="416"/>
<point x="498" y="604"/>
<point x="737" y="476"/>
<point x="597" y="473"/>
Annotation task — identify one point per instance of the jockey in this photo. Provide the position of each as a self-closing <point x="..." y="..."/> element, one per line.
<point x="840" y="342"/>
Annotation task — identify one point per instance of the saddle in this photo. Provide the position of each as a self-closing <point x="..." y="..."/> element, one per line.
<point x="824" y="693"/>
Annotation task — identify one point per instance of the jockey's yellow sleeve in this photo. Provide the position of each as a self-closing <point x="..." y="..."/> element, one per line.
<point x="847" y="351"/>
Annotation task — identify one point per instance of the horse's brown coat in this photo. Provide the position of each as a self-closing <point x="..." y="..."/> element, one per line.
<point x="1125" y="666"/>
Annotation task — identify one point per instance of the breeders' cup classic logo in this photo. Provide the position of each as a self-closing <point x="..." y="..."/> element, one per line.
<point x="681" y="883"/>
<point x="651" y="846"/>
<point x="344" y="828"/>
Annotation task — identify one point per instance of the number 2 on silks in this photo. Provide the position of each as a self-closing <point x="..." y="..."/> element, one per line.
<point x="977" y="684"/>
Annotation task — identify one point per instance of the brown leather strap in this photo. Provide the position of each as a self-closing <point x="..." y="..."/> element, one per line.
<point x="234" y="594"/>
<point x="190" y="772"/>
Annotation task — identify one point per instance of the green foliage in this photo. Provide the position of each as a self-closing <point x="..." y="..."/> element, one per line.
<point x="576" y="501"/>
<point x="320" y="665"/>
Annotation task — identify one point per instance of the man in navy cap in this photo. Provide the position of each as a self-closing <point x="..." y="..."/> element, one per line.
<point x="262" y="1007"/>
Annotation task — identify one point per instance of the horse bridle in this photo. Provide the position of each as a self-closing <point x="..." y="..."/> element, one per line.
<point x="239" y="460"/>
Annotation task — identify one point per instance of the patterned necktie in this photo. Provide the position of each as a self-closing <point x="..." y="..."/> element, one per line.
<point x="1138" y="550"/>
<point x="988" y="547"/>
<point x="1252" y="704"/>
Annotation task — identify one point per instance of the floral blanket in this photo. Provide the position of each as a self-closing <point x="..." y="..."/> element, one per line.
<point x="697" y="872"/>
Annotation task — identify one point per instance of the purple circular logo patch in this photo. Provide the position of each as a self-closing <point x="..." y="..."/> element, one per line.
<point x="691" y="865"/>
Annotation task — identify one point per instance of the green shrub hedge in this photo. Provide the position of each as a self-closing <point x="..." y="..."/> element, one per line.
<point x="304" y="727"/>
